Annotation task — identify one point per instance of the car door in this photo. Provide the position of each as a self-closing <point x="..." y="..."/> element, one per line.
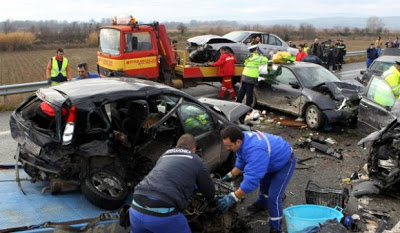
<point x="197" y="121"/>
<point x="375" y="105"/>
<point x="275" y="43"/>
<point x="284" y="94"/>
<point x="265" y="48"/>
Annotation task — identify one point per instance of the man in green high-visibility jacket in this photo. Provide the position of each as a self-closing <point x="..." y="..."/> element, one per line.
<point x="392" y="77"/>
<point x="250" y="75"/>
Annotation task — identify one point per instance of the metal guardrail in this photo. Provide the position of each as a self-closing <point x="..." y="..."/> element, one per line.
<point x="6" y="90"/>
<point x="13" y="89"/>
<point x="356" y="53"/>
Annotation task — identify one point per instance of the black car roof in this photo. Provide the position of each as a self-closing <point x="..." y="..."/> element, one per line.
<point x="110" y="88"/>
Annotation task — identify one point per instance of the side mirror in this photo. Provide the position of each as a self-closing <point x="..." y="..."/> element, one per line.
<point x="362" y="71"/>
<point x="295" y="84"/>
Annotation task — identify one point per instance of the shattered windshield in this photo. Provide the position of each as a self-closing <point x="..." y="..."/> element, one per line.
<point x="314" y="76"/>
<point x="381" y="66"/>
<point x="236" y="36"/>
<point x="110" y="41"/>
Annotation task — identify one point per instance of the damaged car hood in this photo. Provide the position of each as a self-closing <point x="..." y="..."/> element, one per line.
<point x="231" y="110"/>
<point x="209" y="39"/>
<point x="344" y="90"/>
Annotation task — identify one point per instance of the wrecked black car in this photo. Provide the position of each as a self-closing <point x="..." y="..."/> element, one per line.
<point x="309" y="91"/>
<point x="104" y="135"/>
<point x="383" y="162"/>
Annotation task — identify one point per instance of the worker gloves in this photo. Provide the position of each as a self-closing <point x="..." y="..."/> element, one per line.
<point x="227" y="201"/>
<point x="227" y="177"/>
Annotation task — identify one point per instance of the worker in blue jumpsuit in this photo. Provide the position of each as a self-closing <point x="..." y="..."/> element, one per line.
<point x="265" y="160"/>
<point x="160" y="198"/>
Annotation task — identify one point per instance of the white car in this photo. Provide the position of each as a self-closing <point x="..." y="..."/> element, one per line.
<point x="205" y="48"/>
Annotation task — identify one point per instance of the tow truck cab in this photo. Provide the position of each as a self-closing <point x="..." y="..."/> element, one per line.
<point x="137" y="50"/>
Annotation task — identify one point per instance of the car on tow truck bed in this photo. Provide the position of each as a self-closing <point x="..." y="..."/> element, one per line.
<point x="104" y="135"/>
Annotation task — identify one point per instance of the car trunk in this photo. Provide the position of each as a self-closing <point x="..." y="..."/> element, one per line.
<point x="39" y="120"/>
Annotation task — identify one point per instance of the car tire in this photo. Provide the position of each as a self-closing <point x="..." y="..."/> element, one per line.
<point x="104" y="189"/>
<point x="314" y="117"/>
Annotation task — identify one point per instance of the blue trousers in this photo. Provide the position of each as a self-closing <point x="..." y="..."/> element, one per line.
<point x="369" y="61"/>
<point x="144" y="223"/>
<point x="246" y="89"/>
<point x="272" y="188"/>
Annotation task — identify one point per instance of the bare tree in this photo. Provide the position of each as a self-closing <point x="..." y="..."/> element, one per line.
<point x="181" y="28"/>
<point x="307" y="31"/>
<point x="375" y="25"/>
<point x="7" y="26"/>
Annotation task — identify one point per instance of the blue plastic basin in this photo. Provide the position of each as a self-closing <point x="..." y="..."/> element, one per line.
<point x="299" y="217"/>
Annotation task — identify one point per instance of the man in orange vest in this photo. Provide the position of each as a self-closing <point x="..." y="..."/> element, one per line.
<point x="226" y="64"/>
<point x="58" y="69"/>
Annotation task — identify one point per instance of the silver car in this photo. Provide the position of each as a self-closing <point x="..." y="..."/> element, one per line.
<point x="205" y="48"/>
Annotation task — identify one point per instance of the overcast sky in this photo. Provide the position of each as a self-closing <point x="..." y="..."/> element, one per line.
<point x="185" y="10"/>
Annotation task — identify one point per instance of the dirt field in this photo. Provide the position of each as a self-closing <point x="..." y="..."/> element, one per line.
<point x="30" y="66"/>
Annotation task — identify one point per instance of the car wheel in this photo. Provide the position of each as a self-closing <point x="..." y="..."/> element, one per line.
<point x="104" y="189"/>
<point x="314" y="117"/>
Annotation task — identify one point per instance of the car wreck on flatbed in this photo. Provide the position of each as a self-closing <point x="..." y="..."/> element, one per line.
<point x="104" y="135"/>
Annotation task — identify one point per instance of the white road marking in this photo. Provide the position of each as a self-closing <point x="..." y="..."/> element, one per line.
<point x="4" y="132"/>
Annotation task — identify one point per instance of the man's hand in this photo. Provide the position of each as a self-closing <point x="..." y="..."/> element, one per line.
<point x="227" y="177"/>
<point x="226" y="202"/>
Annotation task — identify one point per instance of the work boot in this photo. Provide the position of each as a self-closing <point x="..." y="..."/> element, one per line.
<point x="257" y="207"/>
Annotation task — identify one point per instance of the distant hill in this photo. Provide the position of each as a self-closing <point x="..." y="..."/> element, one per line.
<point x="391" y="22"/>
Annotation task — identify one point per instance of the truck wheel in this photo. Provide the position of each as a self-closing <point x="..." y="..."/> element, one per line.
<point x="104" y="189"/>
<point x="314" y="117"/>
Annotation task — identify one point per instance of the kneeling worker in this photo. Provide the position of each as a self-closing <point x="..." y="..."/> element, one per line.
<point x="164" y="193"/>
<point x="267" y="161"/>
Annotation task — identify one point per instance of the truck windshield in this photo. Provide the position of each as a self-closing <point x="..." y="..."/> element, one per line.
<point x="110" y="41"/>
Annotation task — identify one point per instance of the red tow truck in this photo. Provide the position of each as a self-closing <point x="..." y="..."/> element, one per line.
<point x="127" y="48"/>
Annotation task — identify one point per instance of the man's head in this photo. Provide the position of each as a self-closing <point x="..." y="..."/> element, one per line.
<point x="83" y="70"/>
<point x="332" y="43"/>
<point x="60" y="54"/>
<point x="258" y="39"/>
<point x="372" y="45"/>
<point x="301" y="47"/>
<point x="397" y="64"/>
<point x="187" y="141"/>
<point x="223" y="50"/>
<point x="305" y="44"/>
<point x="174" y="43"/>
<point x="316" y="40"/>
<point x="232" y="137"/>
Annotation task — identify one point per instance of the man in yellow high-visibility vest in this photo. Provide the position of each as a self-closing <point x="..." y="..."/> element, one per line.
<point x="58" y="69"/>
<point x="392" y="77"/>
<point x="250" y="75"/>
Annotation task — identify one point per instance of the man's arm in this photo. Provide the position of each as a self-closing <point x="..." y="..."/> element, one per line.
<point x="205" y="183"/>
<point x="48" y="70"/>
<point x="220" y="61"/>
<point x="69" y="77"/>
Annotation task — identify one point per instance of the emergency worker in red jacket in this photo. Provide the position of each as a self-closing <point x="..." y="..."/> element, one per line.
<point x="226" y="64"/>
